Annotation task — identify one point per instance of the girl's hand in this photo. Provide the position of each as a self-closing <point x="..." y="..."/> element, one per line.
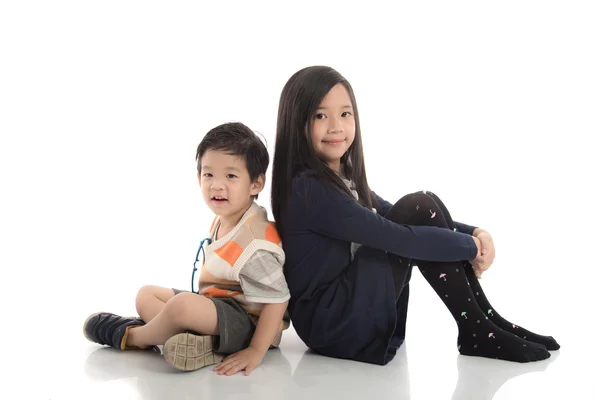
<point x="247" y="359"/>
<point x="487" y="252"/>
<point x="478" y="260"/>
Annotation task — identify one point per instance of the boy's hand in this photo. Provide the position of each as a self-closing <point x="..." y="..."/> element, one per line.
<point x="247" y="359"/>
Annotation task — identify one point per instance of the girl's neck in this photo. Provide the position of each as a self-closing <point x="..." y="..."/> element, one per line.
<point x="335" y="166"/>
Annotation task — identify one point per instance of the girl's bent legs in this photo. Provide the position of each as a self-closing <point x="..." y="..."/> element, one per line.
<point x="183" y="312"/>
<point x="477" y="336"/>
<point x="403" y="212"/>
<point x="150" y="300"/>
<point x="483" y="302"/>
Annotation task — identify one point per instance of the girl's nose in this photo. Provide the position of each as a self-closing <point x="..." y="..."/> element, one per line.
<point x="335" y="125"/>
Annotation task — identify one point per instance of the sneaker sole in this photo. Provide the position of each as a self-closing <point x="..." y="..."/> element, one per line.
<point x="85" y="324"/>
<point x="189" y="352"/>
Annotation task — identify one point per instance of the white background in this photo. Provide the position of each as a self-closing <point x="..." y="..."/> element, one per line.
<point x="494" y="106"/>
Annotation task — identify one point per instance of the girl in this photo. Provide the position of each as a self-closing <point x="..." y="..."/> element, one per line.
<point x="349" y="253"/>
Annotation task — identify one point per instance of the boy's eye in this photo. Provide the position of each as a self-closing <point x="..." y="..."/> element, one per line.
<point x="231" y="176"/>
<point x="207" y="175"/>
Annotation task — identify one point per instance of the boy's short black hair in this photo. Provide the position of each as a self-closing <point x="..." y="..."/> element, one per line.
<point x="237" y="139"/>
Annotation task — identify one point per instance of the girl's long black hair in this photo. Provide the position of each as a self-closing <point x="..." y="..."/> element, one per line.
<point x="300" y="98"/>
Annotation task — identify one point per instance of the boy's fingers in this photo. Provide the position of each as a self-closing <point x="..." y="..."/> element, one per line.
<point x="234" y="370"/>
<point x="225" y="366"/>
<point x="225" y="370"/>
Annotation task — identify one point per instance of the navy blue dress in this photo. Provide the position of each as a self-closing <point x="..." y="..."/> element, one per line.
<point x="348" y="309"/>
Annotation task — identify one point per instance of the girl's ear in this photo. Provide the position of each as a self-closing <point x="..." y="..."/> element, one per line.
<point x="258" y="185"/>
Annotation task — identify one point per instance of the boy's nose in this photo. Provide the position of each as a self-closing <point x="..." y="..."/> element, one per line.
<point x="217" y="185"/>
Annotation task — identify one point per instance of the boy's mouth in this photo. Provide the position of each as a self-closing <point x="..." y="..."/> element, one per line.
<point x="218" y="199"/>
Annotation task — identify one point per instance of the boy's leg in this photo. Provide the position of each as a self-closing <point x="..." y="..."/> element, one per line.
<point x="150" y="300"/>
<point x="110" y="329"/>
<point x="183" y="312"/>
<point x="485" y="305"/>
<point x="190" y="351"/>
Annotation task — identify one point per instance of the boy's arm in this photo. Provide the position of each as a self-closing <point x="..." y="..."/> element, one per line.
<point x="262" y="281"/>
<point x="268" y="326"/>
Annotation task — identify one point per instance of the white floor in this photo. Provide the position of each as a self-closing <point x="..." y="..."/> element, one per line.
<point x="54" y="361"/>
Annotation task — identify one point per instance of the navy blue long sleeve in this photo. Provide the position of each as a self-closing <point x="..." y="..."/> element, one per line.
<point x="382" y="206"/>
<point x="337" y="216"/>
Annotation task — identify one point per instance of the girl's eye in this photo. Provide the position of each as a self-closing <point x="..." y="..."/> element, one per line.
<point x="320" y="116"/>
<point x="231" y="176"/>
<point x="207" y="175"/>
<point x="346" y="114"/>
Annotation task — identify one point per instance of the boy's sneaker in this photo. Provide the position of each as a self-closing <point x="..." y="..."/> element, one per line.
<point x="109" y="329"/>
<point x="189" y="352"/>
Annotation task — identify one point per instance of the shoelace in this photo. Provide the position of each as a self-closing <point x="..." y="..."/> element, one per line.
<point x="200" y="248"/>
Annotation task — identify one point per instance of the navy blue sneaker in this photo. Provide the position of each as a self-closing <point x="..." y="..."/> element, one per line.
<point x="109" y="329"/>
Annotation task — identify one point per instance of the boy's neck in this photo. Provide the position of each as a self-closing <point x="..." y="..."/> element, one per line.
<point x="226" y="224"/>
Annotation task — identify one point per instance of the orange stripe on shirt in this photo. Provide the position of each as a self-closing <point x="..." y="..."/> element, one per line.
<point x="230" y="252"/>
<point x="215" y="292"/>
<point x="271" y="234"/>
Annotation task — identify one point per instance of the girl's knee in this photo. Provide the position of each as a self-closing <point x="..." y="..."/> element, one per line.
<point x="418" y="208"/>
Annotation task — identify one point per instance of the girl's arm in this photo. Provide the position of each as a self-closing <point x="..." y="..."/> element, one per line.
<point x="322" y="209"/>
<point x="382" y="205"/>
<point x="464" y="228"/>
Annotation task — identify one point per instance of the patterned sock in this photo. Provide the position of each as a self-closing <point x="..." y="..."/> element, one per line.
<point x="477" y="335"/>
<point x="486" y="307"/>
<point x="484" y="304"/>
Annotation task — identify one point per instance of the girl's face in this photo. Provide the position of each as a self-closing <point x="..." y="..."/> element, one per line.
<point x="333" y="126"/>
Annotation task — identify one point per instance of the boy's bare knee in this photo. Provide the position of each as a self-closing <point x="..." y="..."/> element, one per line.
<point x="184" y="307"/>
<point x="145" y="293"/>
<point x="178" y="307"/>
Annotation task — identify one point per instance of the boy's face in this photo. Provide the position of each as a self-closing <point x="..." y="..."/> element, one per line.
<point x="226" y="186"/>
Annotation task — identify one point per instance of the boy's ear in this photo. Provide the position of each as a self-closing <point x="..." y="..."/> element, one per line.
<point x="199" y="178"/>
<point x="258" y="185"/>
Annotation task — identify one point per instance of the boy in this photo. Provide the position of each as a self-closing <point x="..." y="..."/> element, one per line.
<point x="242" y="298"/>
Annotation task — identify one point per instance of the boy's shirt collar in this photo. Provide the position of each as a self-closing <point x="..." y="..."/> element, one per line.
<point x="253" y="209"/>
